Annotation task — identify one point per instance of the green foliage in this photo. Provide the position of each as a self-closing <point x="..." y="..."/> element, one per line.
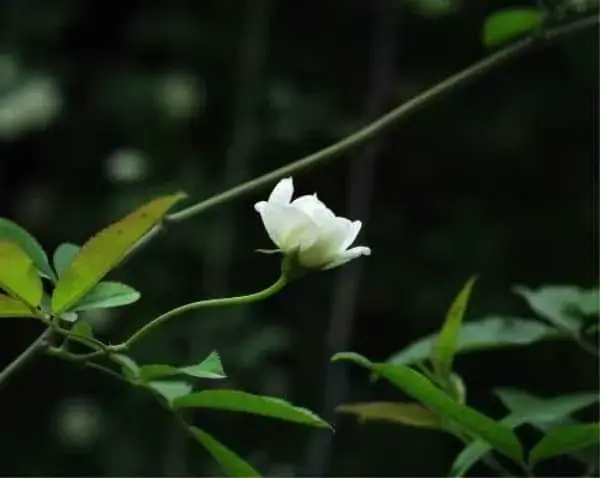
<point x="238" y="401"/>
<point x="565" y="440"/>
<point x="63" y="256"/>
<point x="178" y="395"/>
<point x="209" y="368"/>
<point x="467" y="419"/>
<point x="410" y="414"/>
<point x="504" y="26"/>
<point x="563" y="306"/>
<point x="525" y="408"/>
<point x="106" y="295"/>
<point x="11" y="307"/>
<point x="232" y="463"/>
<point x="83" y="329"/>
<point x="447" y="339"/>
<point x="12" y="232"/>
<point x="170" y="390"/>
<point x="18" y="275"/>
<point x="487" y="333"/>
<point x="105" y="250"/>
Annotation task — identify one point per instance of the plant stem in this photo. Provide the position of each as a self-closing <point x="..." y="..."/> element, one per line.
<point x="489" y="459"/>
<point x="220" y="302"/>
<point x="401" y="112"/>
<point x="25" y="356"/>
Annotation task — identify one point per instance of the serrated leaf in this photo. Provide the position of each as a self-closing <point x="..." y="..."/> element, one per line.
<point x="106" y="250"/>
<point x="564" y="440"/>
<point x="63" y="256"/>
<point x="505" y="25"/>
<point x="238" y="401"/>
<point x="232" y="463"/>
<point x="11" y="307"/>
<point x="488" y="333"/>
<point x="525" y="408"/>
<point x="12" y="232"/>
<point x="557" y="304"/>
<point x="209" y="368"/>
<point x="411" y="414"/>
<point x="170" y="390"/>
<point x="18" y="275"/>
<point x="106" y="295"/>
<point x="420" y="388"/>
<point x="447" y="340"/>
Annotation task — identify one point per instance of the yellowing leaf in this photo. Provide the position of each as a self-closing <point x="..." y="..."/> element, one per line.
<point x="11" y="307"/>
<point x="105" y="250"/>
<point x="18" y="275"/>
<point x="411" y="414"/>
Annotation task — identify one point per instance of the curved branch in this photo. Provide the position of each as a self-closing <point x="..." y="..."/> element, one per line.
<point x="401" y="112"/>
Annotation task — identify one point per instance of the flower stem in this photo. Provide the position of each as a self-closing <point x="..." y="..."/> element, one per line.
<point x="401" y="112"/>
<point x="220" y="302"/>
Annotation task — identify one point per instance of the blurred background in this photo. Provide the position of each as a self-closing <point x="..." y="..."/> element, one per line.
<point x="104" y="105"/>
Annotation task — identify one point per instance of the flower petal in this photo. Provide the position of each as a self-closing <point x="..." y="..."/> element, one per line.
<point x="352" y="230"/>
<point x="285" y="224"/>
<point x="312" y="206"/>
<point x="348" y="255"/>
<point x="282" y="192"/>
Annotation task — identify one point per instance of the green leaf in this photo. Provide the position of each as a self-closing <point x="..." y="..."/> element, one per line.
<point x="547" y="414"/>
<point x="538" y="409"/>
<point x="11" y="231"/>
<point x="589" y="302"/>
<point x="106" y="250"/>
<point x="525" y="408"/>
<point x="232" y="463"/>
<point x="488" y="333"/>
<point x="447" y="340"/>
<point x="209" y="368"/>
<point x="106" y="295"/>
<point x="69" y="316"/>
<point x="83" y="329"/>
<point x="238" y="401"/>
<point x="129" y="369"/>
<point x="170" y="390"/>
<point x="18" y="275"/>
<point x="565" y="440"/>
<point x="63" y="256"/>
<point x="420" y="388"/>
<point x="411" y="414"/>
<point x="555" y="304"/>
<point x="11" y="307"/>
<point x="505" y="25"/>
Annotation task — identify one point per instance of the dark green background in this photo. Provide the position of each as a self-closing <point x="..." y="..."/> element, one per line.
<point x="497" y="179"/>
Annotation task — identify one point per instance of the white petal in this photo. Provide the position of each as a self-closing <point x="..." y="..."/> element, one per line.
<point x="285" y="224"/>
<point x="349" y="255"/>
<point x="352" y="231"/>
<point x="283" y="191"/>
<point x="312" y="206"/>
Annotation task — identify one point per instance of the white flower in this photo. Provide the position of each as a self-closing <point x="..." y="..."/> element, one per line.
<point x="307" y="228"/>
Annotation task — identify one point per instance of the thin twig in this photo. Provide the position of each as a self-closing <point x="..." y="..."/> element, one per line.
<point x="403" y="111"/>
<point x="25" y="356"/>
